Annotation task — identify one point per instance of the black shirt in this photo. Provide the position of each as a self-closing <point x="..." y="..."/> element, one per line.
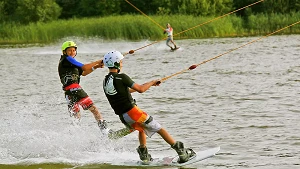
<point x="68" y="72"/>
<point x="116" y="88"/>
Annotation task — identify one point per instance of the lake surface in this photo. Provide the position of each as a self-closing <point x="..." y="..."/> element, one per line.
<point x="247" y="102"/>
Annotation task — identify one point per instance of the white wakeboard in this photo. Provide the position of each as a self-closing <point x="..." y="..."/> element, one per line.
<point x="172" y="161"/>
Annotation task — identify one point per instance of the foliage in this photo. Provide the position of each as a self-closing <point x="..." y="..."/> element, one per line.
<point x="37" y="20"/>
<point x="137" y="27"/>
<point x="99" y="8"/>
<point x="267" y="7"/>
<point x="193" y="7"/>
<point x="26" y="11"/>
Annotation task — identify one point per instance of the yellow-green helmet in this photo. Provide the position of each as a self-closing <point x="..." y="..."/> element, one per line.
<point x="68" y="44"/>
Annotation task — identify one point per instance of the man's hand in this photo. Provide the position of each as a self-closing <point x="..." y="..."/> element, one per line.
<point x="99" y="64"/>
<point x="156" y="82"/>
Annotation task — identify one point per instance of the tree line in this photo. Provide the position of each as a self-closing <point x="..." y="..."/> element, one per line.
<point x="32" y="11"/>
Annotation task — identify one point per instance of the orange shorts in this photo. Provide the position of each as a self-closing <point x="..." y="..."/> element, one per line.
<point x="141" y="121"/>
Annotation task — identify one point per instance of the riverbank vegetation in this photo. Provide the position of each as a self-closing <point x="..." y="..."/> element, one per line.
<point x="137" y="27"/>
<point x="46" y="21"/>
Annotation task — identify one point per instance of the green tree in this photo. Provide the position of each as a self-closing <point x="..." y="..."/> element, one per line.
<point x="194" y="7"/>
<point x="222" y="6"/>
<point x="70" y="8"/>
<point x="146" y="6"/>
<point x="2" y="9"/>
<point x="36" y="10"/>
<point x="7" y="10"/>
<point x="281" y="6"/>
<point x="99" y="8"/>
<point x="294" y="5"/>
<point x="267" y="6"/>
<point x="237" y="4"/>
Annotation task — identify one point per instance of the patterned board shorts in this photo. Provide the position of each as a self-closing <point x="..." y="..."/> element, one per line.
<point x="141" y="121"/>
<point x="78" y="97"/>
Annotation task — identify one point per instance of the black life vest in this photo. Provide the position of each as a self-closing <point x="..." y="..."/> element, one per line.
<point x="68" y="72"/>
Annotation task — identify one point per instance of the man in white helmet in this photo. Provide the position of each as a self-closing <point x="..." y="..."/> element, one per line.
<point x="118" y="88"/>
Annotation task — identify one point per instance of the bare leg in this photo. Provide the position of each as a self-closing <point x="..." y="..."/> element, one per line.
<point x="168" y="41"/>
<point x="166" y="136"/>
<point x="173" y="43"/>
<point x="77" y="115"/>
<point x="142" y="139"/>
<point x="96" y="112"/>
<point x="169" y="46"/>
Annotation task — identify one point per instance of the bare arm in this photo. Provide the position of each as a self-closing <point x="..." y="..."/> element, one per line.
<point x="90" y="67"/>
<point x="142" y="88"/>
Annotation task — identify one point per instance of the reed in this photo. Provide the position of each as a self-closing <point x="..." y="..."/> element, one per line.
<point x="137" y="27"/>
<point x="263" y="24"/>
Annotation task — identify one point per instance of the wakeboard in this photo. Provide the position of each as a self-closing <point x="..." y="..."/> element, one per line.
<point x="172" y="161"/>
<point x="119" y="133"/>
<point x="173" y="49"/>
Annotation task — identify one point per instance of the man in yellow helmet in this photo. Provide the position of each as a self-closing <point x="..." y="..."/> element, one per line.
<point x="70" y="70"/>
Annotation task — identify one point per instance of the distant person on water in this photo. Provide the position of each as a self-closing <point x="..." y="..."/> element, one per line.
<point x="70" y="70"/>
<point x="169" y="31"/>
<point x="118" y="88"/>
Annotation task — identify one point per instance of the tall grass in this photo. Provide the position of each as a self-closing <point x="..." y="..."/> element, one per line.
<point x="264" y="24"/>
<point x="136" y="27"/>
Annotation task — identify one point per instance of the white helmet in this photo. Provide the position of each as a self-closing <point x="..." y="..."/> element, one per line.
<point x="112" y="59"/>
